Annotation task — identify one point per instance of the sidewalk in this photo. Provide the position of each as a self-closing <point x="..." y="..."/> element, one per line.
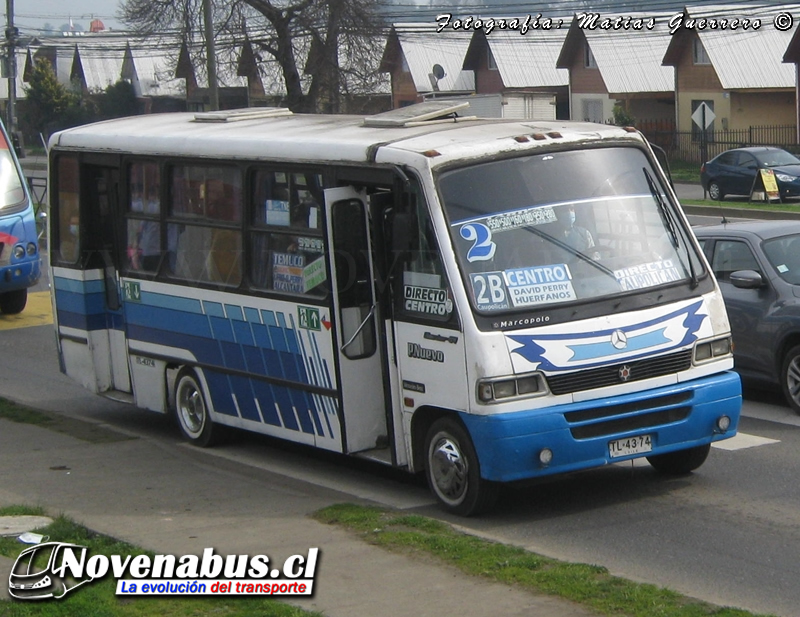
<point x="171" y="498"/>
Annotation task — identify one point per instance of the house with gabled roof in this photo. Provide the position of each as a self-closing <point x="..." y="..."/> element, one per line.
<point x="96" y="66"/>
<point x="422" y="62"/>
<point x="150" y="69"/>
<point x="792" y="56"/>
<point x="609" y="67"/>
<point x="520" y="70"/>
<point x="738" y="73"/>
<point x="58" y="51"/>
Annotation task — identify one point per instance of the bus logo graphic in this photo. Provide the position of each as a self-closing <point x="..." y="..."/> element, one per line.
<point x="624" y="372"/>
<point x="308" y="317"/>
<point x="39" y="572"/>
<point x="619" y="339"/>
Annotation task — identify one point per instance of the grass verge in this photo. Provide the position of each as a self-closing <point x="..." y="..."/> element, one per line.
<point x="591" y="586"/>
<point x="684" y="172"/>
<point x="80" y="429"/>
<point x="743" y="205"/>
<point x="98" y="598"/>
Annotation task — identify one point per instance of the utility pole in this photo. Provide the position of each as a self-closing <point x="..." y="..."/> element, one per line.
<point x="211" y="54"/>
<point x="11" y="40"/>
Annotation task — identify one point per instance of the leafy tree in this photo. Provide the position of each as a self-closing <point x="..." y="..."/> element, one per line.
<point x="622" y="117"/>
<point x="47" y="102"/>
<point x="303" y="37"/>
<point x="118" y="101"/>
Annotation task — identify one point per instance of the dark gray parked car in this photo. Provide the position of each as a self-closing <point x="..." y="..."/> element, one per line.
<point x="757" y="264"/>
<point x="734" y="171"/>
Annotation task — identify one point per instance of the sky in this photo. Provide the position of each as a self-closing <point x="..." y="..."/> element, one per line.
<point x="31" y="15"/>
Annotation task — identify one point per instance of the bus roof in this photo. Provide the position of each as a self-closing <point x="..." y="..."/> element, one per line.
<point x="308" y="137"/>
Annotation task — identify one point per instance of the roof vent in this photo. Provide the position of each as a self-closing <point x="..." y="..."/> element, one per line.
<point x="419" y="113"/>
<point x="236" y="115"/>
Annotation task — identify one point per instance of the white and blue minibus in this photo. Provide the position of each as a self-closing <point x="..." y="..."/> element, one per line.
<point x="486" y="301"/>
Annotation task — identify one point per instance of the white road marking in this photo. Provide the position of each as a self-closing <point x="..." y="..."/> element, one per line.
<point x="740" y="441"/>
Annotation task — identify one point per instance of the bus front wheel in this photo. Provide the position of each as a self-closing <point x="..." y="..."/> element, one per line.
<point x="191" y="409"/>
<point x="680" y="462"/>
<point x="13" y="302"/>
<point x="453" y="470"/>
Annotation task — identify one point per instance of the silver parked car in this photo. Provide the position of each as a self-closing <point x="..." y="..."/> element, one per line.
<point x="757" y="264"/>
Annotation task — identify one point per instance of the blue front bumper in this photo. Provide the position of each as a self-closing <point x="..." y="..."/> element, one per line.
<point x="676" y="417"/>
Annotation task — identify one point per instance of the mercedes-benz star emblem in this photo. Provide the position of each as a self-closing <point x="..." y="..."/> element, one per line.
<point x="619" y="340"/>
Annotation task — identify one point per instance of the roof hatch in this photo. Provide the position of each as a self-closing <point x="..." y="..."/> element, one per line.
<point x="248" y="113"/>
<point x="412" y="115"/>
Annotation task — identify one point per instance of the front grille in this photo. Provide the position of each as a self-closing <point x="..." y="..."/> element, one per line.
<point x="612" y="375"/>
<point x="623" y="409"/>
<point x="632" y="423"/>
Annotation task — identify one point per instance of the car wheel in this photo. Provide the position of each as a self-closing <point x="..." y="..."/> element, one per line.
<point x="453" y="470"/>
<point x="191" y="409"/>
<point x="715" y="191"/>
<point x="680" y="462"/>
<point x="790" y="378"/>
<point x="13" y="302"/>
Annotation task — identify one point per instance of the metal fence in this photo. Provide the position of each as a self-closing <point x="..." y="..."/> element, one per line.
<point x="687" y="145"/>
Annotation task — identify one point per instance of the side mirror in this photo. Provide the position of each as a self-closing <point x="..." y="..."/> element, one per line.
<point x="747" y="279"/>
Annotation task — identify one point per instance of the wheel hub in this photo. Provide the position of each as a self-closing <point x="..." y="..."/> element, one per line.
<point x="449" y="469"/>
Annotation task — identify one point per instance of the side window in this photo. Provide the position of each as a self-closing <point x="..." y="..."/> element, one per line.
<point x="424" y="289"/>
<point x="286" y="241"/>
<point x="204" y="240"/>
<point x="731" y="256"/>
<point x="67" y="241"/>
<point x="144" y="250"/>
<point x="747" y="161"/>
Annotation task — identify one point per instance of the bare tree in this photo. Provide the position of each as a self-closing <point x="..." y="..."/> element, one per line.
<point x="303" y="37"/>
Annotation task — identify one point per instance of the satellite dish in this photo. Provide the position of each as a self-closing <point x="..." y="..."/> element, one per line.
<point x="438" y="71"/>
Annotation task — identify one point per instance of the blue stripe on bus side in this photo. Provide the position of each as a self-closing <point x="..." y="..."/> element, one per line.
<point x="176" y="303"/>
<point x="79" y="287"/>
<point x="228" y="336"/>
<point x="88" y="304"/>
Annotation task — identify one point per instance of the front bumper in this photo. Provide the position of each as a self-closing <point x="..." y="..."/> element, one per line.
<point x="676" y="417"/>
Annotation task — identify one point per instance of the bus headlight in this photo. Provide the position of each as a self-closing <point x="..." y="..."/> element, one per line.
<point x="510" y="388"/>
<point x="711" y="350"/>
<point x="19" y="251"/>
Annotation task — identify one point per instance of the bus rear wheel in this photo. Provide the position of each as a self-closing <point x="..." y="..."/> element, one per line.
<point x="13" y="302"/>
<point x="191" y="409"/>
<point x="453" y="471"/>
<point x="680" y="462"/>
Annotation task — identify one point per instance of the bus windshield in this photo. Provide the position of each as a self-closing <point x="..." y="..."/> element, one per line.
<point x="557" y="227"/>
<point x="11" y="191"/>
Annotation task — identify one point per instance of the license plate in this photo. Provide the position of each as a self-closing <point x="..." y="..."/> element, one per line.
<point x="630" y="445"/>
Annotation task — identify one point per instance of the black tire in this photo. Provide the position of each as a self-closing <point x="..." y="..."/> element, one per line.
<point x="680" y="462"/>
<point x="453" y="470"/>
<point x="790" y="378"/>
<point x="715" y="191"/>
<point x="13" y="302"/>
<point x="191" y="410"/>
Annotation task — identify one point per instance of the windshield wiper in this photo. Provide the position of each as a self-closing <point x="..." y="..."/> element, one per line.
<point x="569" y="249"/>
<point x="668" y="219"/>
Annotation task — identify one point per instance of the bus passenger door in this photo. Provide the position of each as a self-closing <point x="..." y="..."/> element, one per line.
<point x="109" y="344"/>
<point x="357" y="321"/>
